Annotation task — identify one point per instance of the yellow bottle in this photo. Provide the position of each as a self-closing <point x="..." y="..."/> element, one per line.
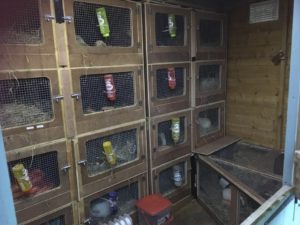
<point x="21" y="175"/>
<point x="110" y="155"/>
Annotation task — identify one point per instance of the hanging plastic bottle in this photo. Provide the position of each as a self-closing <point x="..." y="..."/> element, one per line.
<point x="103" y="22"/>
<point x="21" y="175"/>
<point x="109" y="153"/>
<point x="110" y="87"/>
<point x="171" y="78"/>
<point x="175" y="129"/>
<point x="177" y="176"/>
<point x="113" y="198"/>
<point x="172" y="25"/>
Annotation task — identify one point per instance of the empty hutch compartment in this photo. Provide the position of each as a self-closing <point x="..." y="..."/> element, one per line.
<point x="173" y="180"/>
<point x="228" y="203"/>
<point x="98" y="105"/>
<point x="96" y="208"/>
<point x="211" y="36"/>
<point x="61" y="217"/>
<point x="117" y="42"/>
<point x="48" y="173"/>
<point x="210" y="82"/>
<point x="26" y="35"/>
<point x="170" y="137"/>
<point x="128" y="149"/>
<point x="30" y="108"/>
<point x="208" y="123"/>
<point x="169" y="88"/>
<point x="167" y="33"/>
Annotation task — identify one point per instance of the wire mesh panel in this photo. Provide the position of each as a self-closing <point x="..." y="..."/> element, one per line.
<point x="210" y="32"/>
<point x="41" y="173"/>
<point x="56" y="221"/>
<point x="20" y="22"/>
<point x="162" y="32"/>
<point x="247" y="207"/>
<point x="94" y="94"/>
<point x="25" y="101"/>
<point x="105" y="208"/>
<point x="165" y="133"/>
<point x="172" y="178"/>
<point x="87" y="28"/>
<point x="162" y="83"/>
<point x="124" y="145"/>
<point x="210" y="190"/>
<point x="209" y="77"/>
<point x="208" y="121"/>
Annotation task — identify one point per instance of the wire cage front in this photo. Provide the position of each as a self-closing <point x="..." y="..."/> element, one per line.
<point x="27" y="108"/>
<point x="210" y="82"/>
<point x="107" y="33"/>
<point x="115" y="201"/>
<point x="169" y="87"/>
<point x="125" y="148"/>
<point x="106" y="97"/>
<point x="168" y="36"/>
<point x="208" y="123"/>
<point x="210" y="36"/>
<point x="23" y="26"/>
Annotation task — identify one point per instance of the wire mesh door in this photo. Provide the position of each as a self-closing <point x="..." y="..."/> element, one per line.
<point x="27" y="106"/>
<point x="113" y="151"/>
<point x="211" y="36"/>
<point x="110" y="28"/>
<point x="210" y="83"/>
<point x="209" y="123"/>
<point x="25" y="31"/>
<point x="168" y="36"/>
<point x="113" y="93"/>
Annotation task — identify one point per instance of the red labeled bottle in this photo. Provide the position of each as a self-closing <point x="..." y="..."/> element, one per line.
<point x="171" y="78"/>
<point x="110" y="87"/>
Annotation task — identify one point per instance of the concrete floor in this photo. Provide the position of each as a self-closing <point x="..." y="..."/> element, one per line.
<point x="192" y="214"/>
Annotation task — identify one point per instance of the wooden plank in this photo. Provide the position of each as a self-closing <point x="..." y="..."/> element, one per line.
<point x="216" y="145"/>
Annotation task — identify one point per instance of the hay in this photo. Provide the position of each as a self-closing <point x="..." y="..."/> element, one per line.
<point x="17" y="114"/>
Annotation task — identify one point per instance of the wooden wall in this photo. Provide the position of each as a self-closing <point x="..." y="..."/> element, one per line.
<point x="256" y="88"/>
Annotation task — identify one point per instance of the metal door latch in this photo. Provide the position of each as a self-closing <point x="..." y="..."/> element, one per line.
<point x="67" y="19"/>
<point x="48" y="17"/>
<point x="276" y="59"/>
<point x="76" y="96"/>
<point x="82" y="162"/>
<point x="58" y="98"/>
<point x="65" y="169"/>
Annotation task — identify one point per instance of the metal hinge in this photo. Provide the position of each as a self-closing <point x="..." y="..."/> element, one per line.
<point x="66" y="168"/>
<point x="76" y="96"/>
<point x="82" y="162"/>
<point x="58" y="98"/>
<point x="48" y="17"/>
<point x="68" y="19"/>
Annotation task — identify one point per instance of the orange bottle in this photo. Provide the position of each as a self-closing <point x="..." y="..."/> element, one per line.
<point x="171" y="78"/>
<point x="110" y="87"/>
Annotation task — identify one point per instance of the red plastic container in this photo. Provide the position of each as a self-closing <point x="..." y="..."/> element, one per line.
<point x="154" y="210"/>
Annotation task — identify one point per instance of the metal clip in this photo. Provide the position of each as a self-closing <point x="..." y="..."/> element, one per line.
<point x="87" y="221"/>
<point x="82" y="162"/>
<point x="65" y="169"/>
<point x="58" y="98"/>
<point x="68" y="19"/>
<point x="76" y="96"/>
<point x="48" y="17"/>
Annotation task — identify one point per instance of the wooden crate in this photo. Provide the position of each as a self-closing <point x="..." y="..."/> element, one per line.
<point x="30" y="108"/>
<point x="26" y="36"/>
<point x="164" y="152"/>
<point x="92" y="107"/>
<point x="210" y="85"/>
<point x="88" y="47"/>
<point x="48" y="170"/>
<point x="63" y="216"/>
<point x="163" y="99"/>
<point x="211" y="36"/>
<point x="128" y="191"/>
<point x="129" y="144"/>
<point x="208" y="123"/>
<point x="160" y="46"/>
<point x="163" y="183"/>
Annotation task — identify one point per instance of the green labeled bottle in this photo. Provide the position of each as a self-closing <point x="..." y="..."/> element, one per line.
<point x="172" y="25"/>
<point x="103" y="22"/>
<point x="175" y="128"/>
